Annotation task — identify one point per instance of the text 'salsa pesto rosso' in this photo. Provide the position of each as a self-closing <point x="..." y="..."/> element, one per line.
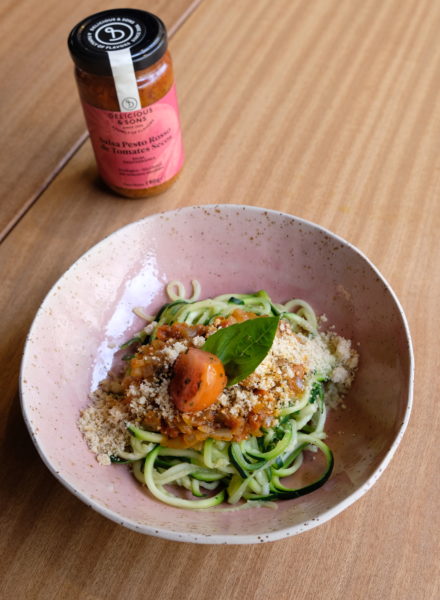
<point x="125" y="80"/>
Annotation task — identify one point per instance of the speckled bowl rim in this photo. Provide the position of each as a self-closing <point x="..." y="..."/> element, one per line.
<point x="228" y="539"/>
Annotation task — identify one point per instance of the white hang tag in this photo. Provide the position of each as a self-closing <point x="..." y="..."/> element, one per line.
<point x="125" y="80"/>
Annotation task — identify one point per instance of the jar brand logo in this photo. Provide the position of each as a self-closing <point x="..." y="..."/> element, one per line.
<point x="129" y="103"/>
<point x="114" y="33"/>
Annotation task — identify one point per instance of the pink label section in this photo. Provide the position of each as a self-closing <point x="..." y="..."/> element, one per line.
<point x="139" y="149"/>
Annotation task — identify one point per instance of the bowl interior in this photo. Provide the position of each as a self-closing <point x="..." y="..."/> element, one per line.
<point x="88" y="314"/>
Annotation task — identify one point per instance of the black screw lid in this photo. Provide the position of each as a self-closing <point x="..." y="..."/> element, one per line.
<point x="140" y="31"/>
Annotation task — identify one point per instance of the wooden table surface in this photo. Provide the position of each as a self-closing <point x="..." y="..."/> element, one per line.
<point x="326" y="109"/>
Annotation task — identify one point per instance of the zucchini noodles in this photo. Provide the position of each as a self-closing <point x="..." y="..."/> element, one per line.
<point x="221" y="467"/>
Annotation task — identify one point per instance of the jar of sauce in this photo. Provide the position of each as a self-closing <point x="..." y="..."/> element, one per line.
<point x="125" y="80"/>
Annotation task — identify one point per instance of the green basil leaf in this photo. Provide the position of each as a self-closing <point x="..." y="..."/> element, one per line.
<point x="243" y="346"/>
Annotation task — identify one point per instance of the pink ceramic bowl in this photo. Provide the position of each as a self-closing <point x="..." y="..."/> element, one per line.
<point x="88" y="313"/>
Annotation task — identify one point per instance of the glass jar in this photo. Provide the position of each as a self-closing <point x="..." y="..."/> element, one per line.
<point x="125" y="79"/>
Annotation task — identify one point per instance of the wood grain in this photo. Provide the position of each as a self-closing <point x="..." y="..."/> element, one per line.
<point x="41" y="119"/>
<point x="328" y="110"/>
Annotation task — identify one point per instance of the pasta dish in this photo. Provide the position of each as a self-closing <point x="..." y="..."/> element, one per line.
<point x="222" y="399"/>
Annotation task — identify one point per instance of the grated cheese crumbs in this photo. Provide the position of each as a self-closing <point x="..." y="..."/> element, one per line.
<point x="103" y="423"/>
<point x="198" y="341"/>
<point x="339" y="374"/>
<point x="104" y="459"/>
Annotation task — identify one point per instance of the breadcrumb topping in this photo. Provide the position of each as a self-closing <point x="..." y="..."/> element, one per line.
<point x="281" y="379"/>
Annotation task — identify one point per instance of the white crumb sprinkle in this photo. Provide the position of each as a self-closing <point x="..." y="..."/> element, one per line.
<point x="339" y="374"/>
<point x="343" y="349"/>
<point x="198" y="341"/>
<point x="103" y="424"/>
<point x="172" y="352"/>
<point x="104" y="459"/>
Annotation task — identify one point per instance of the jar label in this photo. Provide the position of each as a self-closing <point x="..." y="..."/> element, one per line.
<point x="138" y="149"/>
